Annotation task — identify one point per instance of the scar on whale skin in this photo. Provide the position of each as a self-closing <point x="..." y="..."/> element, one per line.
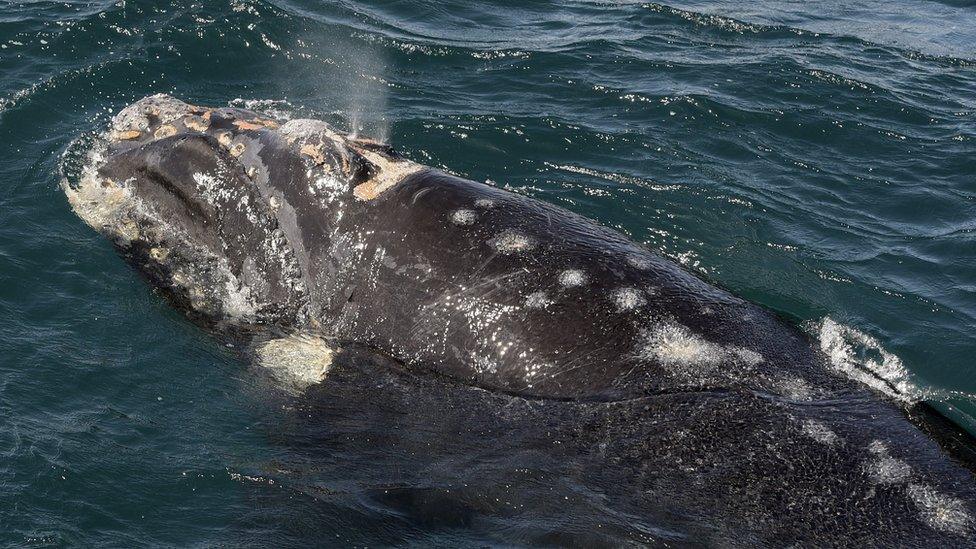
<point x="389" y="173"/>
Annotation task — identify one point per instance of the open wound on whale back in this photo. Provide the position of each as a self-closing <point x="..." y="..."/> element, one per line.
<point x="297" y="361"/>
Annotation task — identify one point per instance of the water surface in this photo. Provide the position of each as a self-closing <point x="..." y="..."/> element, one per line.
<point x="817" y="159"/>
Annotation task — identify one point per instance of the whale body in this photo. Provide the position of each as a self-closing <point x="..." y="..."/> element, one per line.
<point x="251" y="224"/>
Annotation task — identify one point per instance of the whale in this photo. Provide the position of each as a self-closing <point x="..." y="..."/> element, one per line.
<point x="314" y="245"/>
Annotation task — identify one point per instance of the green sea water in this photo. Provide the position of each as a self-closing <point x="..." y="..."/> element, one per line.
<point x="817" y="159"/>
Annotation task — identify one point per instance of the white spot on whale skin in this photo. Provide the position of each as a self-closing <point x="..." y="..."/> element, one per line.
<point x="464" y="217"/>
<point x="511" y="242"/>
<point x="793" y="388"/>
<point x="885" y="469"/>
<point x="939" y="511"/>
<point x="484" y="203"/>
<point x="628" y="298"/>
<point x="571" y="278"/>
<point x="639" y="262"/>
<point x="538" y="300"/>
<point x="747" y="356"/>
<point x="821" y="433"/>
<point x="675" y="345"/>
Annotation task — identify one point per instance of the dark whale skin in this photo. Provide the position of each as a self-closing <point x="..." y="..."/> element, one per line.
<point x="441" y="272"/>
<point x="344" y="238"/>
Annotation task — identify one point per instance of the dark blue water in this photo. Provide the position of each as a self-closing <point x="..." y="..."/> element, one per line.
<point x="819" y="159"/>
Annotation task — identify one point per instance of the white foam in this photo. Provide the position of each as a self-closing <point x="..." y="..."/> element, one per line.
<point x="275" y="108"/>
<point x="99" y="203"/>
<point x="862" y="358"/>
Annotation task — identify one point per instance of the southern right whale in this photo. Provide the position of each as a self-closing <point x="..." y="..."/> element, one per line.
<point x="255" y="226"/>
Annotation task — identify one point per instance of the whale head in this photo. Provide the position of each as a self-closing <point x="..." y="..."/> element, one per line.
<point x="212" y="204"/>
<point x="167" y="188"/>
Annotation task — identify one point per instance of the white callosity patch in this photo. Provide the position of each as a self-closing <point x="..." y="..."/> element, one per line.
<point x="538" y="300"/>
<point x="238" y="299"/>
<point x="689" y="355"/>
<point x="299" y="361"/>
<point x="572" y="278"/>
<point x="104" y="205"/>
<point x="511" y="242"/>
<point x="821" y="433"/>
<point x="135" y="117"/>
<point x="484" y="203"/>
<point x="862" y="358"/>
<point x="628" y="298"/>
<point x="303" y="128"/>
<point x="938" y="510"/>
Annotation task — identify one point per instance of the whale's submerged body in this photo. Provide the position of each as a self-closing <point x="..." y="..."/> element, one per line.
<point x="257" y="224"/>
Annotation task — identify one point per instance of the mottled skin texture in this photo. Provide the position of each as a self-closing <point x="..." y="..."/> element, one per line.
<point x="481" y="295"/>
<point x="248" y="223"/>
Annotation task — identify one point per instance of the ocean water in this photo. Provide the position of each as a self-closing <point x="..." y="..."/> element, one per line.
<point x="818" y="159"/>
